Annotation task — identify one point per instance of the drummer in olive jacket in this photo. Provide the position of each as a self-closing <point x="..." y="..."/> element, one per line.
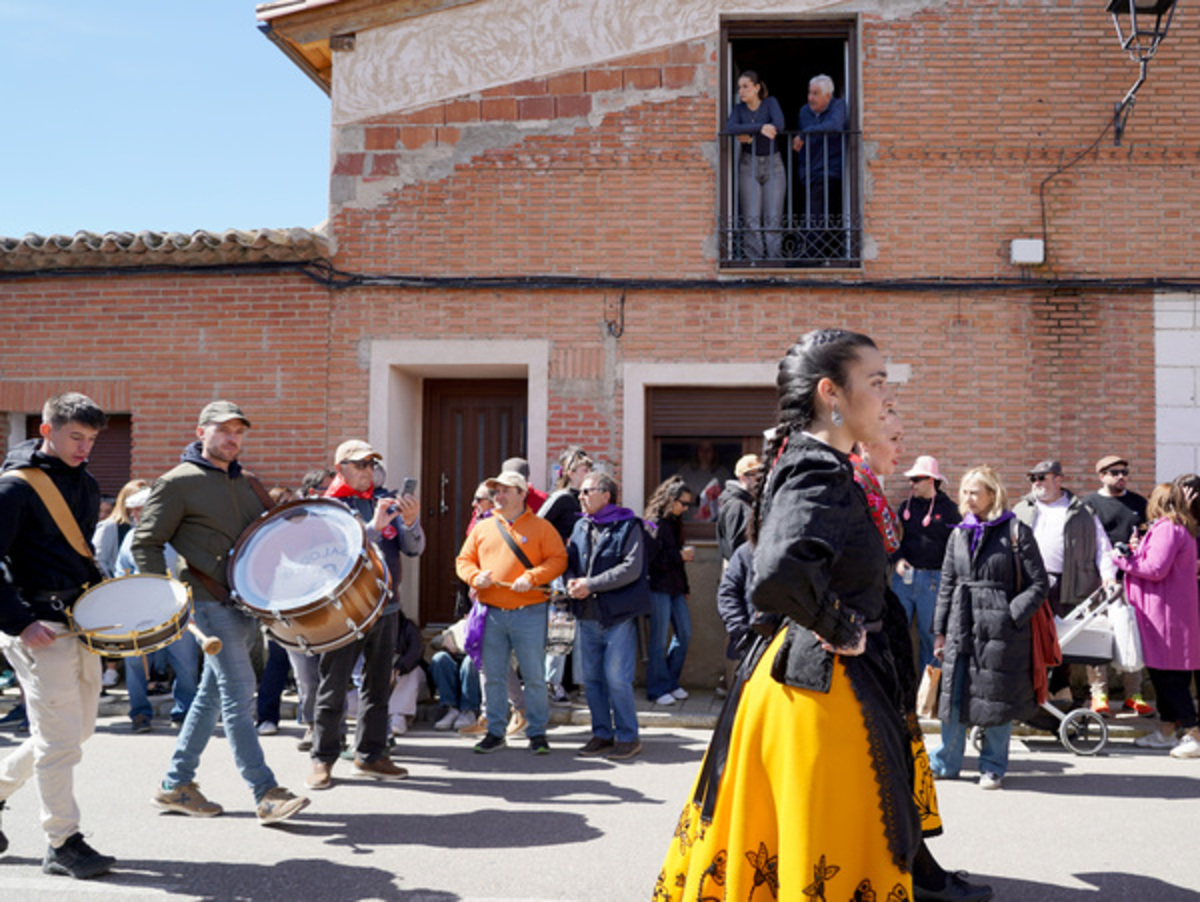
<point x="201" y="507"/>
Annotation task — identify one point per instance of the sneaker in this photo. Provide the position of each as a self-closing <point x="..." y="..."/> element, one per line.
<point x="596" y="747"/>
<point x="1187" y="748"/>
<point x="305" y="742"/>
<point x="186" y="799"/>
<point x="1138" y="705"/>
<point x="478" y="728"/>
<point x="1100" y="705"/>
<point x="278" y="805"/>
<point x="448" y="720"/>
<point x="517" y="724"/>
<point x="665" y="699"/>
<point x="464" y="720"/>
<point x="680" y="693"/>
<point x="539" y="745"/>
<point x="75" y="858"/>
<point x="111" y="677"/>
<point x="141" y="723"/>
<point x="398" y="724"/>
<point x="490" y="743"/>
<point x="1155" y="740"/>
<point x="321" y="776"/>
<point x="267" y="728"/>
<point x="989" y="780"/>
<point x="380" y="769"/>
<point x="623" y="751"/>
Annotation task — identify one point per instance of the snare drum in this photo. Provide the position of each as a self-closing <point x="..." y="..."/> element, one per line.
<point x="143" y="612"/>
<point x="307" y="571"/>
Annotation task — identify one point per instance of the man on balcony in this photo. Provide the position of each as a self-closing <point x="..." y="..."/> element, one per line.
<point x="820" y="148"/>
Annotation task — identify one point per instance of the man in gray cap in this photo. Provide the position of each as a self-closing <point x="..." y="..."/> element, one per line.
<point x="1077" y="554"/>
<point x="201" y="507"/>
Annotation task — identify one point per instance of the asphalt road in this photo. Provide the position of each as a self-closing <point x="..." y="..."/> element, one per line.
<point x="1122" y="825"/>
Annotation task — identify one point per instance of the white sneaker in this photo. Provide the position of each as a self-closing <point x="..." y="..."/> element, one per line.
<point x="398" y="724"/>
<point x="680" y="693"/>
<point x="464" y="719"/>
<point x="449" y="720"/>
<point x="1187" y="748"/>
<point x="989" y="780"/>
<point x="667" y="699"/>
<point x="267" y="728"/>
<point x="1156" y="740"/>
<point x="110" y="677"/>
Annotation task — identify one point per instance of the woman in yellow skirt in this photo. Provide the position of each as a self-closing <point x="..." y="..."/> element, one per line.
<point x="806" y="790"/>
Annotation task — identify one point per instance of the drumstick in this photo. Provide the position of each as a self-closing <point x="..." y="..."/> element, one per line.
<point x="545" y="590"/>
<point x="87" y="632"/>
<point x="210" y="644"/>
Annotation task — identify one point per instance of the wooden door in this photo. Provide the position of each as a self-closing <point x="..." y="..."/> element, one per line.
<point x="469" y="426"/>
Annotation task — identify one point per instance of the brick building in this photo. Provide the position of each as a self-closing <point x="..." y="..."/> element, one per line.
<point x="533" y="241"/>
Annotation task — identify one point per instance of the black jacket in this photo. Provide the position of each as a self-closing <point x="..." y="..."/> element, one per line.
<point x="667" y="570"/>
<point x="563" y="511"/>
<point x="36" y="554"/>
<point x="735" y="508"/>
<point x="924" y="547"/>
<point x="986" y="622"/>
<point x="612" y="557"/>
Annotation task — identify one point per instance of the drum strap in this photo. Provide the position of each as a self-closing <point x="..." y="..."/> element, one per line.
<point x="53" y="499"/>
<point x="259" y="490"/>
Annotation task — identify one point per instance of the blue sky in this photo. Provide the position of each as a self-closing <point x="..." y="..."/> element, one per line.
<point x="171" y="115"/>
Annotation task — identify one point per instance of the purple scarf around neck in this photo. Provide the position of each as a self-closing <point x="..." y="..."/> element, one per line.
<point x="609" y="514"/>
<point x="977" y="526"/>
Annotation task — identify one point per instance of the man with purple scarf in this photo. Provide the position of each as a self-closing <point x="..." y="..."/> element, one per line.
<point x="606" y="578"/>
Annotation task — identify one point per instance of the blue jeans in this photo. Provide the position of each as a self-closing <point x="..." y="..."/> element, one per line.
<point x="226" y="689"/>
<point x="919" y="599"/>
<point x="609" y="663"/>
<point x="521" y="631"/>
<point x="664" y="662"/>
<point x="946" y="760"/>
<point x="184" y="657"/>
<point x="457" y="682"/>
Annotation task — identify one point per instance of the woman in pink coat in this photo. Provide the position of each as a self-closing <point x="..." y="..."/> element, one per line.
<point x="1160" y="583"/>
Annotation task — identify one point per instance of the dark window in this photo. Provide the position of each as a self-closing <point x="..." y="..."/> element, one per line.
<point x="781" y="206"/>
<point x="700" y="433"/>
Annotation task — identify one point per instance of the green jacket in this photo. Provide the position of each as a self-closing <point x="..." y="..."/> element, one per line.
<point x="201" y="510"/>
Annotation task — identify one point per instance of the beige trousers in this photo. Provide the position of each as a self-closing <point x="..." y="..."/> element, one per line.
<point x="61" y="684"/>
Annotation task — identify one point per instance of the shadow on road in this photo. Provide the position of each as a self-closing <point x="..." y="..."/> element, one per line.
<point x="1112" y="885"/>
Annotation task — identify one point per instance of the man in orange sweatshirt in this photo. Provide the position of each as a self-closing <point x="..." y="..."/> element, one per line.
<point x="506" y="559"/>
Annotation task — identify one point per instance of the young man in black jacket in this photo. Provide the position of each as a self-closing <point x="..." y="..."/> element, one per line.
<point x="47" y="572"/>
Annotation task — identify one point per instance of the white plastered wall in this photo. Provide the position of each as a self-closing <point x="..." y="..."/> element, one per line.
<point x="398" y="370"/>
<point x="1177" y="384"/>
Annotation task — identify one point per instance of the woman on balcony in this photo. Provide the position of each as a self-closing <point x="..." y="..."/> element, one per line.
<point x="762" y="183"/>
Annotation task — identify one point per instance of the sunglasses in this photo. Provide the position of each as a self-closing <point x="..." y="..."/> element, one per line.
<point x="1038" y="478"/>
<point x="1121" y="471"/>
<point x="915" y="479"/>
<point x="362" y="464"/>
<point x="589" y="491"/>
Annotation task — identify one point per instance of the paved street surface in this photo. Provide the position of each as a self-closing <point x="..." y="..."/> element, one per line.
<point x="510" y="826"/>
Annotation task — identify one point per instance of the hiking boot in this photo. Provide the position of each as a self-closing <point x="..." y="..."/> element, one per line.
<point x="595" y="747"/>
<point x="623" y="751"/>
<point x="141" y="723"/>
<point x="278" y="805"/>
<point x="447" y="720"/>
<point x="75" y="858"/>
<point x="380" y="769"/>
<point x="321" y="776"/>
<point x="186" y="799"/>
<point x="489" y="744"/>
<point x="539" y="745"/>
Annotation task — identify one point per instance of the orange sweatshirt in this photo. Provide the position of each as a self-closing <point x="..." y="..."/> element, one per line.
<point x="485" y="549"/>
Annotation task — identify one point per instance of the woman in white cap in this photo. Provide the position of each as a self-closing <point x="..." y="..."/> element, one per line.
<point x="927" y="516"/>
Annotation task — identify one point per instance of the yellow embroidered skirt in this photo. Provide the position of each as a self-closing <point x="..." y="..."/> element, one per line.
<point x="798" y="815"/>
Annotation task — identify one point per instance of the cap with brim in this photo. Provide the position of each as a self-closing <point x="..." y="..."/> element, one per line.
<point x="1046" y="468"/>
<point x="927" y="466"/>
<point x="221" y="412"/>
<point x="1110" y="460"/>
<point x="747" y="463"/>
<point x="355" y="449"/>
<point x="509" y="478"/>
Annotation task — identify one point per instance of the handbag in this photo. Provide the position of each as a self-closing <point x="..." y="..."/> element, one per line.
<point x="927" y="692"/>
<point x="1127" y="640"/>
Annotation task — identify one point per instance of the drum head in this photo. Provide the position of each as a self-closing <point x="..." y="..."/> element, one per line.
<point x="298" y="554"/>
<point x="130" y="604"/>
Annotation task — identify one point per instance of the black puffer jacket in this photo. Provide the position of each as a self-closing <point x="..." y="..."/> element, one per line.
<point x="986" y="623"/>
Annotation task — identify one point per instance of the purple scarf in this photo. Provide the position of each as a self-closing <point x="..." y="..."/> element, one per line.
<point x="610" y="513"/>
<point x="977" y="526"/>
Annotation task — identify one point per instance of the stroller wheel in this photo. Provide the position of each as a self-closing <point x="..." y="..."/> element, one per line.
<point x="976" y="737"/>
<point x="1083" y="731"/>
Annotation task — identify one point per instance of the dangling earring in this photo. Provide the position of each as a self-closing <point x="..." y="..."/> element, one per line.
<point x="836" y="416"/>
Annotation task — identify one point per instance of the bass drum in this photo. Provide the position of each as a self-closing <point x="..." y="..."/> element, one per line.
<point x="307" y="571"/>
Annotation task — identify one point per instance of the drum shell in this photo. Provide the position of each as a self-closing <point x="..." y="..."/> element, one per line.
<point x="133" y="643"/>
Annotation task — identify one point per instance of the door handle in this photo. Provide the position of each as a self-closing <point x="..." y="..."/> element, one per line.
<point x="442" y="506"/>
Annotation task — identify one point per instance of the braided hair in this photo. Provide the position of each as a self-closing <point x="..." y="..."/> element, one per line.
<point x="820" y="354"/>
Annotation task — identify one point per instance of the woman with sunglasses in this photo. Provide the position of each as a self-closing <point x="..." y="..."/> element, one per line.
<point x="668" y="591"/>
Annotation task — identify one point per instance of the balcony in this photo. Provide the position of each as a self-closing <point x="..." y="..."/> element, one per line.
<point x="814" y="189"/>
